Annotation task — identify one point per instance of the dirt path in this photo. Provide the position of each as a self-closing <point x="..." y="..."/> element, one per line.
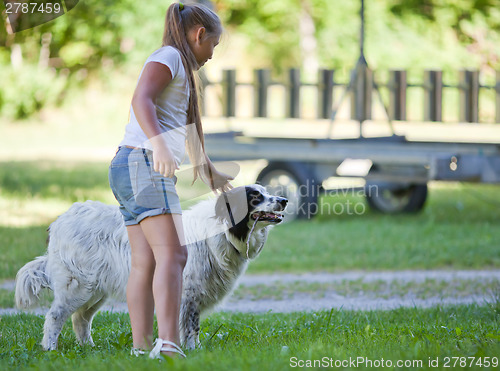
<point x="282" y="293"/>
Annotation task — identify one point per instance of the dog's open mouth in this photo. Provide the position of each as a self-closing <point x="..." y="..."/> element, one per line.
<point x="267" y="216"/>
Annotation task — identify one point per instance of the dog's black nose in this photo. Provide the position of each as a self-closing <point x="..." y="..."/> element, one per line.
<point x="282" y="201"/>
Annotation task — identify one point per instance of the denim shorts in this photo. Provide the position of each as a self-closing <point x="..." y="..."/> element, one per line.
<point x="141" y="191"/>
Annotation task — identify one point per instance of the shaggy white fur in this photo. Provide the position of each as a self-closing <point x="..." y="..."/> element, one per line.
<point x="88" y="259"/>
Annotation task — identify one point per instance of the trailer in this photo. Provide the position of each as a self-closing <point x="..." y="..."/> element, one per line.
<point x="396" y="170"/>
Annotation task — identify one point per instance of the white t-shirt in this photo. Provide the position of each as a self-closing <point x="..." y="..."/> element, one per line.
<point x="171" y="107"/>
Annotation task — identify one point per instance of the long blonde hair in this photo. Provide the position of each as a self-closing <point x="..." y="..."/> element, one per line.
<point x="180" y="19"/>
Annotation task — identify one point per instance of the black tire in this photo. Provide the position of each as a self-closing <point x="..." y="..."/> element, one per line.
<point x="393" y="198"/>
<point x="295" y="181"/>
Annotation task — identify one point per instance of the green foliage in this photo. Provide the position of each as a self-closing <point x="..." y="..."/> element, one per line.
<point x="95" y="27"/>
<point x="475" y="24"/>
<point x="446" y="34"/>
<point x="24" y="92"/>
<point x="97" y="36"/>
<point x="86" y="39"/>
<point x="456" y="13"/>
<point x="271" y="27"/>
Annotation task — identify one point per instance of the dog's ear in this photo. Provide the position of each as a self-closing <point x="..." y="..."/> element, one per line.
<point x="232" y="207"/>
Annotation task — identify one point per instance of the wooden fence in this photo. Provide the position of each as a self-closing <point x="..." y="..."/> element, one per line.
<point x="397" y="85"/>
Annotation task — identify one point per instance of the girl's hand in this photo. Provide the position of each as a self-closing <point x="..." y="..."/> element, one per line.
<point x="164" y="160"/>
<point x="219" y="182"/>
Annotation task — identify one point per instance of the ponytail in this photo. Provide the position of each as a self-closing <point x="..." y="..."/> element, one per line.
<point x="179" y="20"/>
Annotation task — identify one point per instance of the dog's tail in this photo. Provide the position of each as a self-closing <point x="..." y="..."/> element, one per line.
<point x="30" y="280"/>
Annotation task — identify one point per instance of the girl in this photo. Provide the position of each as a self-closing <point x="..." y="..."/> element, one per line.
<point x="164" y="115"/>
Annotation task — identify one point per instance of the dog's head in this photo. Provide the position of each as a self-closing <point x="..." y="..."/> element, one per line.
<point x="244" y="208"/>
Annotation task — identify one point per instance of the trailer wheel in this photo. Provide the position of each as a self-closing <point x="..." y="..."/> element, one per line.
<point x="393" y="198"/>
<point x="295" y="181"/>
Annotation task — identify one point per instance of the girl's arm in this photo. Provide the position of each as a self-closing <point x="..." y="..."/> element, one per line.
<point x="154" y="79"/>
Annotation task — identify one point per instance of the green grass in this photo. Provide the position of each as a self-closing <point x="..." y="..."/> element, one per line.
<point x="376" y="289"/>
<point x="269" y="341"/>
<point x="428" y="288"/>
<point x="6" y="298"/>
<point x="20" y="245"/>
<point x="458" y="229"/>
<point x="68" y="181"/>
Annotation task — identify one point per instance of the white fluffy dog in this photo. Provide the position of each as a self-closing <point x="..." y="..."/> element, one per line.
<point x="88" y="259"/>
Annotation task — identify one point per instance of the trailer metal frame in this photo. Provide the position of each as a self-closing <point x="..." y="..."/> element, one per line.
<point x="398" y="166"/>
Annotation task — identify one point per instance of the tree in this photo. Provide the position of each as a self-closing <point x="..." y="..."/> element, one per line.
<point x="38" y="64"/>
<point x="399" y="33"/>
<point x="81" y="38"/>
<point x="476" y="23"/>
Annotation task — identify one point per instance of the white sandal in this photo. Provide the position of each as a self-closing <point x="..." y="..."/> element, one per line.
<point x="159" y="347"/>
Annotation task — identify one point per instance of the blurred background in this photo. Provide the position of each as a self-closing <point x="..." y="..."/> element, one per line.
<point x="100" y="42"/>
<point x="67" y="85"/>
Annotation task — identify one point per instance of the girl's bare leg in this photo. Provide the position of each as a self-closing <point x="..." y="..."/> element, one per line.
<point x="164" y="234"/>
<point x="139" y="288"/>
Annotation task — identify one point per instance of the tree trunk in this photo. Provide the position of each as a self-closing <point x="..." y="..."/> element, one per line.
<point x="308" y="42"/>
